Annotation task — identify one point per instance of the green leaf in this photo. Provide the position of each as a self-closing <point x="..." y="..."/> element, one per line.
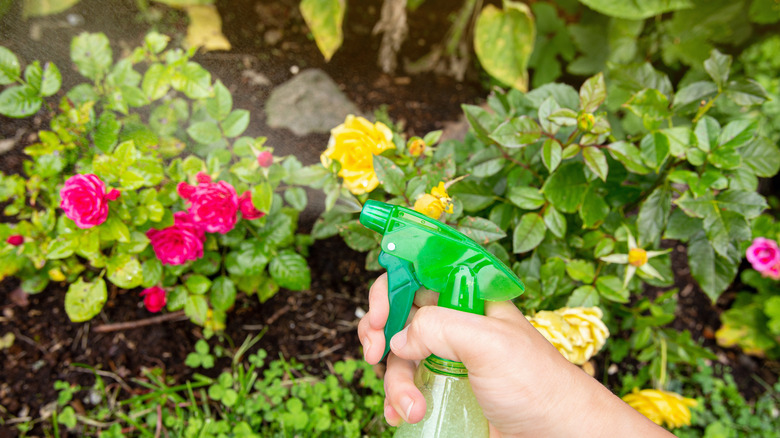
<point x="390" y="175"/>
<point x="156" y="82"/>
<point x="114" y="229"/>
<point x="235" y="123"/>
<point x="593" y="93"/>
<point x="481" y="121"/>
<point x="107" y="132"/>
<point x="596" y="161"/>
<point x="636" y="10"/>
<point x="192" y="80"/>
<point x="197" y="284"/>
<point x="39" y="8"/>
<point x="584" y="296"/>
<point x="475" y="195"/>
<point x="746" y="92"/>
<point x="611" y="288"/>
<point x="503" y="42"/>
<point x="762" y="156"/>
<point x="196" y="307"/>
<point x="325" y="19"/>
<point x="713" y="272"/>
<point x="581" y="270"/>
<point x="486" y="162"/>
<point x="296" y="197"/>
<point x="152" y="271"/>
<point x="51" y="80"/>
<point x="125" y="271"/>
<point x="84" y="300"/>
<point x="221" y="103"/>
<point x="481" y="230"/>
<point x="223" y="293"/>
<point x="654" y="148"/>
<point x="528" y="233"/>
<point x="10" y="70"/>
<point x="358" y="237"/>
<point x="555" y="222"/>
<point x="629" y="156"/>
<point x="60" y="248"/>
<point x="91" y="52"/>
<point x="706" y="134"/>
<point x="653" y="214"/>
<point x="594" y="208"/>
<point x="689" y="97"/>
<point x="517" y="132"/>
<point x="548" y="107"/>
<point x="551" y="154"/>
<point x="20" y="101"/>
<point x="652" y="106"/>
<point x="527" y="198"/>
<point x="737" y="133"/>
<point x="747" y="203"/>
<point x="290" y="271"/>
<point x="566" y="187"/>
<point x="718" y="67"/>
<point x="204" y="132"/>
<point x="681" y="226"/>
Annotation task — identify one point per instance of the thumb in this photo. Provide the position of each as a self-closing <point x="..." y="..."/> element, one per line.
<point x="447" y="333"/>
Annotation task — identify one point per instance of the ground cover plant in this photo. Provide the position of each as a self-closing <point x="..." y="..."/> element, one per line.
<point x="654" y="153"/>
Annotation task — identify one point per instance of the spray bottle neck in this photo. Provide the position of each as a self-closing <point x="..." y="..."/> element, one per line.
<point x="445" y="367"/>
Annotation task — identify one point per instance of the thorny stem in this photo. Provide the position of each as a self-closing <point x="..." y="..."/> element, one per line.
<point x="706" y="107"/>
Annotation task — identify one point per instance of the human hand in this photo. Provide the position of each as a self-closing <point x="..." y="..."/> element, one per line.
<point x="523" y="384"/>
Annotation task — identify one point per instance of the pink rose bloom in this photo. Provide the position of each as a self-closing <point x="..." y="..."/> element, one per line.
<point x="203" y="177"/>
<point x="772" y="272"/>
<point x="85" y="201"/>
<point x="179" y="243"/>
<point x="763" y="254"/>
<point x="265" y="159"/>
<point x="15" y="240"/>
<point x="154" y="298"/>
<point x="248" y="210"/>
<point x="214" y="206"/>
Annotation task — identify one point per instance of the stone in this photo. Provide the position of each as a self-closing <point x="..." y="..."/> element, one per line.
<point x="310" y="102"/>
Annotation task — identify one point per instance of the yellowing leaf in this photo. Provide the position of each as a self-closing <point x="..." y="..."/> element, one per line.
<point x="185" y="3"/>
<point x="324" y="18"/>
<point x="38" y="8"/>
<point x="504" y="40"/>
<point x="205" y="29"/>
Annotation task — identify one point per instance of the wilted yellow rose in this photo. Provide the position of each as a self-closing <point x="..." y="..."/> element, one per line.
<point x="662" y="406"/>
<point x="354" y="144"/>
<point x="577" y="332"/>
<point x="416" y="147"/>
<point x="435" y="203"/>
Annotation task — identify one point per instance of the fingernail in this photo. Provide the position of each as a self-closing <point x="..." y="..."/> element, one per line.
<point x="366" y="347"/>
<point x="407" y="403"/>
<point x="388" y="412"/>
<point x="399" y="340"/>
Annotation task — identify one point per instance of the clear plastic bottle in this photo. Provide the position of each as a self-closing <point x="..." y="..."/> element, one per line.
<point x="452" y="410"/>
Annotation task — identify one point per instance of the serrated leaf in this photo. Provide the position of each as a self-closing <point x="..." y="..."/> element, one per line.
<point x="84" y="300"/>
<point x="197" y="284"/>
<point x="611" y="288"/>
<point x="91" y="52"/>
<point x="223" y="293"/>
<point x="10" y="70"/>
<point x="548" y="107"/>
<point x="503" y="42"/>
<point x="594" y="208"/>
<point x="325" y="19"/>
<point x="290" y="271"/>
<point x="746" y="92"/>
<point x="566" y="187"/>
<point x="551" y="154"/>
<point x="718" y="67"/>
<point x="358" y="237"/>
<point x="481" y="121"/>
<point x="713" y="272"/>
<point x="629" y="156"/>
<point x="124" y="271"/>
<point x="296" y="197"/>
<point x="389" y="174"/>
<point x="205" y="132"/>
<point x="689" y="97"/>
<point x="653" y="215"/>
<point x="192" y="80"/>
<point x="527" y="198"/>
<point x="474" y="194"/>
<point x="581" y="270"/>
<point x="555" y="222"/>
<point x="220" y="105"/>
<point x="584" y="296"/>
<point x="528" y="233"/>
<point x="481" y="230"/>
<point x="235" y="123"/>
<point x="596" y="161"/>
<point x="20" y="101"/>
<point x="262" y="196"/>
<point x="593" y="93"/>
<point x="654" y="148"/>
<point x="196" y="307"/>
<point x="157" y="81"/>
<point x="762" y="156"/>
<point x="517" y="132"/>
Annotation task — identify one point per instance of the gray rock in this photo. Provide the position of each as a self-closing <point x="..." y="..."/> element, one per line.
<point x="308" y="103"/>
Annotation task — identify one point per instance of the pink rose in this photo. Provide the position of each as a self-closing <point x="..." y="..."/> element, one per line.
<point x="154" y="298"/>
<point x="248" y="210"/>
<point x="179" y="243"/>
<point x="265" y="159"/>
<point x="772" y="272"/>
<point x="203" y="177"/>
<point x="85" y="201"/>
<point x="214" y="206"/>
<point x="15" y="240"/>
<point x="763" y="254"/>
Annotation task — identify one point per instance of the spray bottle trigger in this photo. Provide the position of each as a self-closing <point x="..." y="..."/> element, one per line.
<point x="402" y="284"/>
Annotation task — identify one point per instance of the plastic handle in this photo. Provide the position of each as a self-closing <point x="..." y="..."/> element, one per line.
<point x="401" y="287"/>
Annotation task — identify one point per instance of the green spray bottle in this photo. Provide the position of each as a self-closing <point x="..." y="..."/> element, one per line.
<point x="419" y="251"/>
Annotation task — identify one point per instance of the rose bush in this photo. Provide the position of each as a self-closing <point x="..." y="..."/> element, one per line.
<point x="179" y="228"/>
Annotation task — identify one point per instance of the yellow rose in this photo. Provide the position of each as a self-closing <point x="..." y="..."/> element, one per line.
<point x="662" y="406"/>
<point x="354" y="144"/>
<point x="637" y="257"/>
<point x="577" y="332"/>
<point x="416" y="147"/>
<point x="435" y="203"/>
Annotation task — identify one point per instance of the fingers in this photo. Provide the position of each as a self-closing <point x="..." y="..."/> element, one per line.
<point x="378" y="304"/>
<point x="404" y="401"/>
<point x="447" y="333"/>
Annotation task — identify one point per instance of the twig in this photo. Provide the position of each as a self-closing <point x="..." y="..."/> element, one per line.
<point x="106" y="328"/>
<point x="278" y="314"/>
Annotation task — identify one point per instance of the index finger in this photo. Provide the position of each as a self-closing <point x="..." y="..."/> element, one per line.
<point x="378" y="304"/>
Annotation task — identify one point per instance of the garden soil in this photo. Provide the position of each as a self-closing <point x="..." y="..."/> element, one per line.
<point x="316" y="327"/>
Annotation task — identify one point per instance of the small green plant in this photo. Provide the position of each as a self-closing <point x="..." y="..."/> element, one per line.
<point x="109" y="193"/>
<point x="201" y="356"/>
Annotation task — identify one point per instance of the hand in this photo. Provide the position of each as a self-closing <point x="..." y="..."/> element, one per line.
<point x="524" y="385"/>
